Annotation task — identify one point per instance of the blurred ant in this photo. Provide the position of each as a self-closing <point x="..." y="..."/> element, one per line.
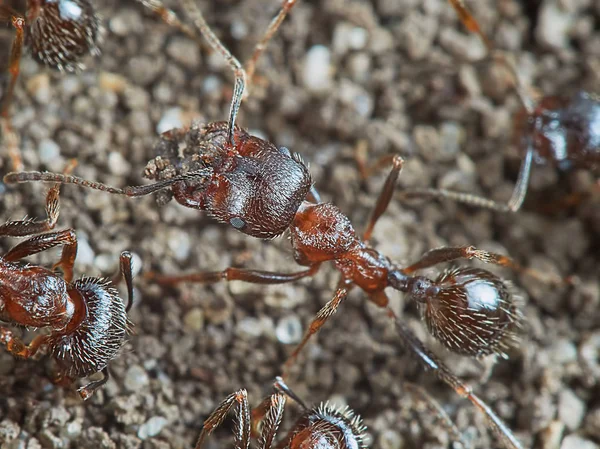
<point x="562" y="130"/>
<point x="59" y="33"/>
<point x="261" y="191"/>
<point x="87" y="319"/>
<point x="323" y="426"/>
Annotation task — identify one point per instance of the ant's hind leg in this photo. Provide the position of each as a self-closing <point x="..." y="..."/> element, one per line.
<point x="450" y="254"/>
<point x="242" y="421"/>
<point x="269" y="413"/>
<point x="320" y="319"/>
<point x="432" y="363"/>
<point x="87" y="391"/>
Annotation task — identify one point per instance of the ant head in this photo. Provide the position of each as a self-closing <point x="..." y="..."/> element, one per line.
<point x="469" y="310"/>
<point x="62" y="32"/>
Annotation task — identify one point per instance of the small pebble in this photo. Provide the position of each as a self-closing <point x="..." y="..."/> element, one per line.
<point x="316" y="75"/>
<point x="152" y="427"/>
<point x="136" y="378"/>
<point x="49" y="152"/>
<point x="571" y="409"/>
<point x="85" y="253"/>
<point x="171" y="119"/>
<point x="550" y="437"/>
<point x="179" y="244"/>
<point x="554" y="25"/>
<point x="390" y="439"/>
<point x="117" y="164"/>
<point x="193" y="321"/>
<point x="289" y="330"/>
<point x="577" y="442"/>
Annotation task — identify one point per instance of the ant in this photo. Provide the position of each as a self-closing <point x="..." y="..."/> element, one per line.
<point x="323" y="426"/>
<point x="262" y="190"/>
<point x="59" y="33"/>
<point x="87" y="319"/>
<point x="559" y="129"/>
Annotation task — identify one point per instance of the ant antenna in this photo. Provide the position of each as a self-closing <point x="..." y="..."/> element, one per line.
<point x="238" y="70"/>
<point x="132" y="191"/>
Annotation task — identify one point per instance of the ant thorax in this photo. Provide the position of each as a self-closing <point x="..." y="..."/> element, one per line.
<point x="252" y="185"/>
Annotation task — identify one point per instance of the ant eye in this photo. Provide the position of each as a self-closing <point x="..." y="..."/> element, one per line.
<point x="74" y="29"/>
<point x="473" y="313"/>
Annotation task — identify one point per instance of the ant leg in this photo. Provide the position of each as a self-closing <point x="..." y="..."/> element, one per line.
<point x="235" y="274"/>
<point x="471" y="24"/>
<point x="513" y="205"/>
<point x="170" y="18"/>
<point x="216" y="44"/>
<point x="384" y="196"/>
<point x="270" y="412"/>
<point x="242" y="422"/>
<point x="125" y="272"/>
<point x="43" y="242"/>
<point x="321" y="318"/>
<point x="360" y="156"/>
<point x="280" y="386"/>
<point x="16" y="346"/>
<point x="87" y="391"/>
<point x="262" y="44"/>
<point x="433" y="363"/>
<point x="438" y="411"/>
<point x="449" y="254"/>
<point x="26" y="227"/>
<point x="18" y="22"/>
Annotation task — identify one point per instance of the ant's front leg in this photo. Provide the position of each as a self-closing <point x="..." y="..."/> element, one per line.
<point x="16" y="347"/>
<point x="44" y="242"/>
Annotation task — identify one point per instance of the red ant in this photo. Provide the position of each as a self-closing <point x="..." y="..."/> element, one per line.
<point x="260" y="190"/>
<point x="87" y="318"/>
<point x="562" y="130"/>
<point x="324" y="425"/>
<point x="59" y="33"/>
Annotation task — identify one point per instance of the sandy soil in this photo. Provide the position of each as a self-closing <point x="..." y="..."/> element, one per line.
<point x="402" y="80"/>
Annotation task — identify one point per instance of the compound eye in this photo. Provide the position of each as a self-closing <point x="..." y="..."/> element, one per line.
<point x="63" y="33"/>
<point x="473" y="313"/>
<point x="285" y="151"/>
<point x="237" y="223"/>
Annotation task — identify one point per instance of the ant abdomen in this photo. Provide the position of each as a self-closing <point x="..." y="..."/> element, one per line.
<point x="563" y="130"/>
<point x="62" y="32"/>
<point x="471" y="312"/>
<point x="327" y="427"/>
<point x="97" y="331"/>
<point x="253" y="185"/>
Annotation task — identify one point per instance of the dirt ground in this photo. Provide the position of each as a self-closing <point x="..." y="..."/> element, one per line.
<point x="401" y="79"/>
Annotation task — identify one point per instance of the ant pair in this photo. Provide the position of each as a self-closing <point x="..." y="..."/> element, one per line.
<point x="262" y="190"/>
<point x="59" y="34"/>
<point x="87" y="319"/>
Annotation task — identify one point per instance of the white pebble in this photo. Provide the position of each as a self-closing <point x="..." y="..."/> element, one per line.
<point x="117" y="164"/>
<point x="85" y="253"/>
<point x="152" y="427"/>
<point x="106" y="262"/>
<point x="576" y="442"/>
<point x="136" y="378"/>
<point x="289" y="330"/>
<point x="171" y="119"/>
<point x="179" y="244"/>
<point x="554" y="25"/>
<point x="317" y="69"/>
<point x="49" y="152"/>
<point x="136" y="264"/>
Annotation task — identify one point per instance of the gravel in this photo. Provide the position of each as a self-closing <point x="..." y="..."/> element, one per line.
<point x="386" y="76"/>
